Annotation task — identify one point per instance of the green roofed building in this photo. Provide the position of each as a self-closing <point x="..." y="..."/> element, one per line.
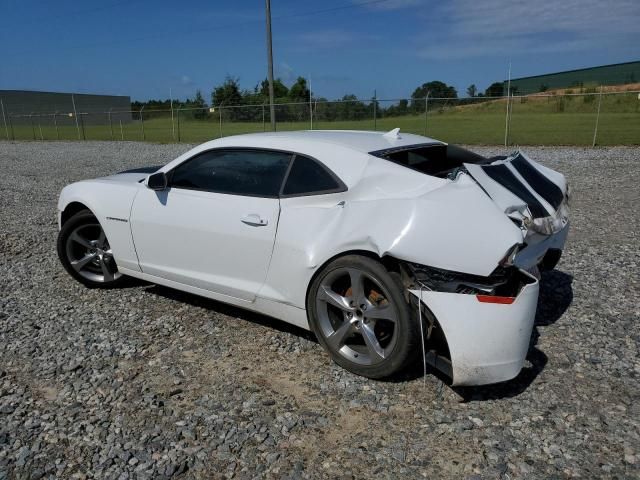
<point x="616" y="74"/>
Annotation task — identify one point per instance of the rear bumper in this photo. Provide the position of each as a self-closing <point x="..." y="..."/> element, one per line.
<point x="488" y="342"/>
<point x="538" y="246"/>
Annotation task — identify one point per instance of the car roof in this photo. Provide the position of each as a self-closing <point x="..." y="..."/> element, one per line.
<point x="360" y="141"/>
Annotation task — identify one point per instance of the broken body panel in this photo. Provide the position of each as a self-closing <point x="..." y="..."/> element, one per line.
<point x="487" y="341"/>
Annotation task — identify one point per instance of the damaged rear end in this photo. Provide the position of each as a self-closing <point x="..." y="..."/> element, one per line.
<point x="478" y="328"/>
<point x="535" y="198"/>
<point x="501" y="219"/>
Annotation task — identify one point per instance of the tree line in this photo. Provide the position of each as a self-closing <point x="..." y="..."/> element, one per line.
<point x="237" y="104"/>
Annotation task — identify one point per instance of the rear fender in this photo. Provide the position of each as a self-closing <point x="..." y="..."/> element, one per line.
<point x="454" y="227"/>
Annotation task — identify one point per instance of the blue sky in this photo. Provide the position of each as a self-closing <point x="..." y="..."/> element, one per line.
<point x="144" y="48"/>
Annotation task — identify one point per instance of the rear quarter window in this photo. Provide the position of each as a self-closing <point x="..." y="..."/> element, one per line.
<point x="309" y="177"/>
<point x="432" y="159"/>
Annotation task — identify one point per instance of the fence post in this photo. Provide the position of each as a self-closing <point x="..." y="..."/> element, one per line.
<point x="310" y="108"/>
<point x="264" y="125"/>
<point x="375" y="111"/>
<point x="33" y="128"/>
<point x="75" y="114"/>
<point x="178" y="122"/>
<point x="595" y="130"/>
<point x="40" y="127"/>
<point x="4" y="117"/>
<point x="13" y="135"/>
<point x="121" y="131"/>
<point x="142" y="123"/>
<point x="84" y="136"/>
<point x="507" y="120"/>
<point x="426" y="109"/>
<point x="173" y="127"/>
<point x="111" y="124"/>
<point x="510" y="115"/>
<point x="55" y="124"/>
<point x="220" y="116"/>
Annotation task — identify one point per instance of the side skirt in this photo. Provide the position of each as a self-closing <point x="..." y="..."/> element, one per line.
<point x="287" y="313"/>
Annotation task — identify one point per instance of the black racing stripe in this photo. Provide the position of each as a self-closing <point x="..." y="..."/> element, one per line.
<point x="502" y="175"/>
<point x="541" y="184"/>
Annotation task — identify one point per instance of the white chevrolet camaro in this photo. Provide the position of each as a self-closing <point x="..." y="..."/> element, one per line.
<point x="387" y="246"/>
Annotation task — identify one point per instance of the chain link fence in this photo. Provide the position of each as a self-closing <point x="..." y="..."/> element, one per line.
<point x="588" y="117"/>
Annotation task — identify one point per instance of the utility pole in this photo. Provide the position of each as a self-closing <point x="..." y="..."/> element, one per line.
<point x="272" y="108"/>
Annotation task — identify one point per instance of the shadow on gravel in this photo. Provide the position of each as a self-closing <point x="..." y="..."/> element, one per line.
<point x="556" y="295"/>
<point x="231" y="311"/>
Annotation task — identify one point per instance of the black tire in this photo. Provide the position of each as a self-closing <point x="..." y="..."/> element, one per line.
<point x="84" y="226"/>
<point x="402" y="344"/>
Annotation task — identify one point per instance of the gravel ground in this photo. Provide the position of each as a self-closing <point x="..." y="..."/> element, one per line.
<point x="145" y="382"/>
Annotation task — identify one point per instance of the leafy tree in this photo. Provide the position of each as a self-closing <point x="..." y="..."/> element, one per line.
<point x="435" y="89"/>
<point x="351" y="108"/>
<point x="228" y="93"/>
<point x="496" y="89"/>
<point x="199" y="103"/>
<point x="280" y="90"/>
<point x="395" y="110"/>
<point x="199" y="99"/>
<point x="299" y="92"/>
<point x="472" y="90"/>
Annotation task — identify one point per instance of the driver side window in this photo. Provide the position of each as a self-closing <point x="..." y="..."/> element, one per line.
<point x="237" y="172"/>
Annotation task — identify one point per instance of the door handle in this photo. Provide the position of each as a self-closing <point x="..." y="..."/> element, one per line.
<point x="254" y="220"/>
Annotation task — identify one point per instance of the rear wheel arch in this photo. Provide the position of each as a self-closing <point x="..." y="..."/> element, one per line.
<point x="388" y="262"/>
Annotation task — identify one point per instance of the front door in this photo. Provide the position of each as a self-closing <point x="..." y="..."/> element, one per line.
<point x="215" y="225"/>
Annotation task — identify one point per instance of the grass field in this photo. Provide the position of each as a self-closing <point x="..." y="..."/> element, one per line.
<point x="536" y="121"/>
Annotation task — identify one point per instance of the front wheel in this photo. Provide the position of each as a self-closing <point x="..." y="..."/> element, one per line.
<point x="85" y="253"/>
<point x="357" y="310"/>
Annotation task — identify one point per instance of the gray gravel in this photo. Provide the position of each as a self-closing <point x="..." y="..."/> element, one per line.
<point x="145" y="382"/>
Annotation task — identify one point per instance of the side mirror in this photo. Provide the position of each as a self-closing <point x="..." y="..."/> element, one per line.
<point x="157" y="181"/>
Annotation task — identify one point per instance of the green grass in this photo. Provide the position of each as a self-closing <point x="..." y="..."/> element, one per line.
<point x="534" y="122"/>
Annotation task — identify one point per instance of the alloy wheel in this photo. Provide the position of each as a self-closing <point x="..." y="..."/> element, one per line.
<point x="90" y="255"/>
<point x="356" y="316"/>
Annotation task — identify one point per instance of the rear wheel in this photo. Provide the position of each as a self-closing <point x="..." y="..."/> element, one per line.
<point x="85" y="252"/>
<point x="358" y="312"/>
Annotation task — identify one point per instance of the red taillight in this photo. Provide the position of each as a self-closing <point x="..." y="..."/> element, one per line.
<point x="495" y="299"/>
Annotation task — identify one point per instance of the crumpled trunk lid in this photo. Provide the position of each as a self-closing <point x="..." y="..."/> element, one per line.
<point x="524" y="190"/>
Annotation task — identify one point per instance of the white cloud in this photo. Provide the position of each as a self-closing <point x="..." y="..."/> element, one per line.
<point x="520" y="16"/>
<point x="387" y="5"/>
<point x="186" y="80"/>
<point x="502" y="27"/>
